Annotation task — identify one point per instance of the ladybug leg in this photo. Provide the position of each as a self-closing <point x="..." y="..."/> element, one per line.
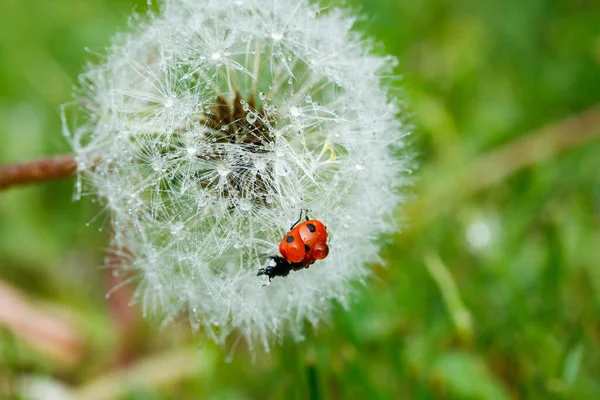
<point x="305" y="214"/>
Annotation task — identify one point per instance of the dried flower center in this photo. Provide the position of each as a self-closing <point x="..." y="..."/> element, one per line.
<point x="241" y="136"/>
<point x="240" y="121"/>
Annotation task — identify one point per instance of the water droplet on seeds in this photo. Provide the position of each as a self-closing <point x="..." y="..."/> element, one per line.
<point x="260" y="164"/>
<point x="223" y="170"/>
<point x="215" y="56"/>
<point x="191" y="151"/>
<point x="202" y="200"/>
<point x="262" y="95"/>
<point x="263" y="280"/>
<point x="360" y="166"/>
<point x="245" y="205"/>
<point x="282" y="169"/>
<point x="294" y="111"/>
<point x="251" y="117"/>
<point x="176" y="228"/>
<point x="277" y="35"/>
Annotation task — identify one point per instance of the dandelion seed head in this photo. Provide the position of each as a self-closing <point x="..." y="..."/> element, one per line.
<point x="210" y="126"/>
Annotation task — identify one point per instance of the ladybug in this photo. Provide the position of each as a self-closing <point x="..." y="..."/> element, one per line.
<point x="305" y="243"/>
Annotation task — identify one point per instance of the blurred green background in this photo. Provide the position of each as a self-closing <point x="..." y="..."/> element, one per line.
<point x="491" y="291"/>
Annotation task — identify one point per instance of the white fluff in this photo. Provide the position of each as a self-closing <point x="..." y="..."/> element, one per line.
<point x="201" y="207"/>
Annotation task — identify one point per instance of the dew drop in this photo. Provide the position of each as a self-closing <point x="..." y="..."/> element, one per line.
<point x="191" y="151"/>
<point x="294" y="111"/>
<point x="215" y="56"/>
<point x="360" y="166"/>
<point x="262" y="95"/>
<point x="223" y="170"/>
<point x="251" y="117"/>
<point x="245" y="205"/>
<point x="264" y="280"/>
<point x="260" y="164"/>
<point x="202" y="199"/>
<point x="282" y="169"/>
<point x="176" y="228"/>
<point x="277" y="35"/>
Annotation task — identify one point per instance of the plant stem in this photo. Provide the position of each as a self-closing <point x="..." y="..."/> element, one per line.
<point x="46" y="169"/>
<point x="499" y="164"/>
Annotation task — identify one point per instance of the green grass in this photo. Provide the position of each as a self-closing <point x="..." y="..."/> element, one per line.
<point x="519" y="318"/>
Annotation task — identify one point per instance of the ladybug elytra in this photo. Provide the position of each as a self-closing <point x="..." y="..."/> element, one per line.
<point x="305" y="243"/>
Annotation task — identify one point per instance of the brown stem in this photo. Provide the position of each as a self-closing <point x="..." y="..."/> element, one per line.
<point x="46" y="169"/>
<point x="501" y="163"/>
<point x="534" y="148"/>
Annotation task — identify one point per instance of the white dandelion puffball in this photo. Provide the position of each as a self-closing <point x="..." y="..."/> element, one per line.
<point x="209" y="128"/>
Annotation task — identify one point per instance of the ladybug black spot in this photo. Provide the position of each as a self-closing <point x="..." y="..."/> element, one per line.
<point x="306" y="248"/>
<point x="289" y="239"/>
<point x="311" y="227"/>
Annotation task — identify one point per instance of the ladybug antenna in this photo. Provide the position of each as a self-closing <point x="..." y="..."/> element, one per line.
<point x="299" y="219"/>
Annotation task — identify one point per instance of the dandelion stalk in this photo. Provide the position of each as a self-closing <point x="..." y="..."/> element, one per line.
<point x="46" y="169"/>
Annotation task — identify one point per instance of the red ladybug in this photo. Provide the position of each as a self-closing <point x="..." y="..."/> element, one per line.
<point x="305" y="243"/>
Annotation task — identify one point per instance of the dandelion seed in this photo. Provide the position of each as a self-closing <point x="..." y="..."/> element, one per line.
<point x="210" y="127"/>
